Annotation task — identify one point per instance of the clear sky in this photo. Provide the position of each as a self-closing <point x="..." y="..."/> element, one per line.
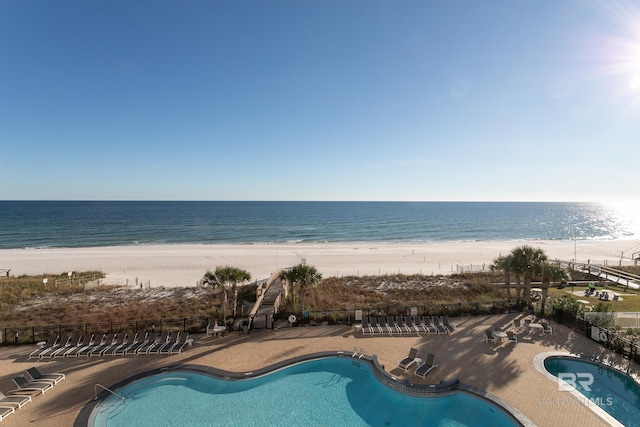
<point x="320" y="100"/>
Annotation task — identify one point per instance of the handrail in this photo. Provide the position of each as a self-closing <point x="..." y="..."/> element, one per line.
<point x="95" y="390"/>
<point x="276" y="303"/>
<point x="619" y="273"/>
<point x="601" y="270"/>
<point x="259" y="300"/>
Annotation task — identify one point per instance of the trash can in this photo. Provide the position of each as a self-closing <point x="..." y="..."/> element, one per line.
<point x="245" y="326"/>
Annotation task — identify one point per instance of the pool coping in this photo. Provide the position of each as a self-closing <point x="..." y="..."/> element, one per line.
<point x="87" y="413"/>
<point x="538" y="363"/>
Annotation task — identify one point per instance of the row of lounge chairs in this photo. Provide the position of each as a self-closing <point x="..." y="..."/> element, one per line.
<point x="423" y="367"/>
<point x="99" y="345"/>
<point x="31" y="384"/>
<point x="407" y="325"/>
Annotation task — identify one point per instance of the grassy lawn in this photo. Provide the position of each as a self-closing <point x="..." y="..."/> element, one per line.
<point x="630" y="299"/>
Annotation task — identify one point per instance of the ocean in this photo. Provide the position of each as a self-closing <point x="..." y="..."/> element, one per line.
<point x="44" y="224"/>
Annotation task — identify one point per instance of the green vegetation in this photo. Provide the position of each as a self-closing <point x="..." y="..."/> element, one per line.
<point x="26" y="300"/>
<point x="223" y="277"/>
<point x="301" y="277"/>
<point x="526" y="262"/>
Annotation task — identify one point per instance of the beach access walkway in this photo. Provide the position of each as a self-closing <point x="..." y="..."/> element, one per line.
<point x="266" y="306"/>
<point x="606" y="273"/>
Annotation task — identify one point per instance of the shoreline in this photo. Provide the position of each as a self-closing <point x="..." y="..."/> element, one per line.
<point x="174" y="265"/>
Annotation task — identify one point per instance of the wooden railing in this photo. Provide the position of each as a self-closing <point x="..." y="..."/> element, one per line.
<point x="263" y="290"/>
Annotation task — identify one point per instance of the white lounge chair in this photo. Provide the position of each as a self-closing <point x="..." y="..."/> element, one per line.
<point x="15" y="400"/>
<point x="157" y="343"/>
<point x="414" y="326"/>
<point x="119" y="348"/>
<point x="412" y="358"/>
<point x="427" y="366"/>
<point x="441" y="328"/>
<point x="64" y="347"/>
<point x="118" y="340"/>
<point x="447" y="324"/>
<point x="53" y="339"/>
<point x="378" y="328"/>
<point x="430" y="326"/>
<point x="390" y="326"/>
<point x="422" y="324"/>
<point x="37" y="376"/>
<point x="5" y="411"/>
<point x="364" y="327"/>
<point x="172" y="340"/>
<point x="133" y="348"/>
<point x="401" y="322"/>
<point x="106" y="342"/>
<point x="181" y="344"/>
<point x="24" y="384"/>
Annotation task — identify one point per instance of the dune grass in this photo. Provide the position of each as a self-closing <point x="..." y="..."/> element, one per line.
<point x="26" y="300"/>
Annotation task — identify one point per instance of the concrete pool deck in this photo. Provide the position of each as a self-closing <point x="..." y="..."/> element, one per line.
<point x="504" y="370"/>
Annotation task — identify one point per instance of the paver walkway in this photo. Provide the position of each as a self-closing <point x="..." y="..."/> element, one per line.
<point x="505" y="370"/>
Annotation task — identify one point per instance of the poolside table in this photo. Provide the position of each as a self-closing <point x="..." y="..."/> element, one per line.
<point x="218" y="330"/>
<point x="500" y="335"/>
<point x="537" y="326"/>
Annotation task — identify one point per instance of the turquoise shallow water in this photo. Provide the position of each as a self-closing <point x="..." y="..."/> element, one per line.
<point x="25" y="224"/>
<point x="323" y="392"/>
<point x="616" y="393"/>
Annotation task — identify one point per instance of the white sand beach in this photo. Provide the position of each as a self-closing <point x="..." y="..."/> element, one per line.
<point x="184" y="265"/>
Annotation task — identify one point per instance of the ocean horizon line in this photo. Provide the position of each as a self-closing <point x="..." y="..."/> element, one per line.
<point x="73" y="224"/>
<point x="299" y="201"/>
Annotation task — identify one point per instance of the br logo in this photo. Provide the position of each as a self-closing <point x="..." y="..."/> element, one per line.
<point x="569" y="380"/>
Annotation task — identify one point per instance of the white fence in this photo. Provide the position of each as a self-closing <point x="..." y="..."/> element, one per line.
<point x="624" y="320"/>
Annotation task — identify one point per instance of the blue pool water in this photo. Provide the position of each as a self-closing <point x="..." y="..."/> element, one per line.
<point x="616" y="393"/>
<point x="329" y="392"/>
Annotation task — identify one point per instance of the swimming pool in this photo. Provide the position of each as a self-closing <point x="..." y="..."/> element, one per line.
<point x="606" y="388"/>
<point x="326" y="391"/>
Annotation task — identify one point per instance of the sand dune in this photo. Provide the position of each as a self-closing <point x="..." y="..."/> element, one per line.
<point x="184" y="265"/>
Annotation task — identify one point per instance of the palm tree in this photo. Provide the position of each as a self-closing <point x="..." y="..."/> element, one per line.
<point x="301" y="275"/>
<point x="290" y="276"/>
<point x="527" y="260"/>
<point x="514" y="265"/>
<point x="227" y="276"/>
<point x="504" y="263"/>
<point x="548" y="273"/>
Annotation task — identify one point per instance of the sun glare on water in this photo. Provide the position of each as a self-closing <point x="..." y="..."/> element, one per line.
<point x="628" y="214"/>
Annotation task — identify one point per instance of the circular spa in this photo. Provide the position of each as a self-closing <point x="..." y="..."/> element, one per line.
<point x="601" y="388"/>
<point x="322" y="391"/>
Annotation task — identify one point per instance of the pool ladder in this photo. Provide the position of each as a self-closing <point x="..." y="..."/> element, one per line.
<point x="95" y="389"/>
<point x="357" y="353"/>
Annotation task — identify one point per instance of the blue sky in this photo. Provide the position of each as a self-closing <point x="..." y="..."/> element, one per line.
<point x="320" y="100"/>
